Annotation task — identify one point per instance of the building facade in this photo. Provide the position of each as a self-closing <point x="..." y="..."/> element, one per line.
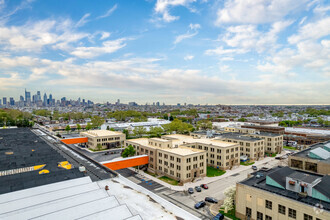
<point x="171" y="159"/>
<point x="316" y="159"/>
<point x="283" y="193"/>
<point x="104" y="139"/>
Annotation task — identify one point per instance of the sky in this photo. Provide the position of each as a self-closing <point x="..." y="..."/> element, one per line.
<point x="171" y="51"/>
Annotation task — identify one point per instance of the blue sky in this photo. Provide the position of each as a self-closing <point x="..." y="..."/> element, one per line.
<point x="215" y="52"/>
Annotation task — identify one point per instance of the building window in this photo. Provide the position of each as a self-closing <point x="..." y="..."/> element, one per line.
<point x="171" y="158"/>
<point x="292" y="213"/>
<point x="267" y="217"/>
<point x="151" y="166"/>
<point x="165" y="156"/>
<point x="248" y="212"/>
<point x="159" y="168"/>
<point x="178" y="160"/>
<point x="269" y="204"/>
<point x="188" y="160"/>
<point x="160" y="154"/>
<point x="260" y="216"/>
<point x="308" y="217"/>
<point x="218" y="151"/>
<point x="160" y="161"/>
<point x="201" y="157"/>
<point x="178" y="167"/>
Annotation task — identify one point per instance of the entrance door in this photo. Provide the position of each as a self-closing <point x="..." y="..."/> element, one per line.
<point x="195" y="174"/>
<point x="302" y="188"/>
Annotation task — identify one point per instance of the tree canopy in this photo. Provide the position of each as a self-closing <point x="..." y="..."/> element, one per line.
<point x="128" y="151"/>
<point x="178" y="126"/>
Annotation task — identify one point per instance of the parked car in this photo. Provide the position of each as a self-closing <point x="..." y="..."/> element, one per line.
<point x="219" y="216"/>
<point x="204" y="186"/>
<point x="211" y="200"/>
<point x="254" y="167"/>
<point x="190" y="190"/>
<point x="277" y="158"/>
<point x="198" y="189"/>
<point x="200" y="204"/>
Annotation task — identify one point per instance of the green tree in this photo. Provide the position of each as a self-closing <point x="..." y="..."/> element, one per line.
<point x="128" y="151"/>
<point x="97" y="121"/>
<point x="242" y="119"/>
<point x="156" y="131"/>
<point x="68" y="128"/>
<point x="99" y="147"/>
<point x="78" y="127"/>
<point x="139" y="131"/>
<point x="204" y="125"/>
<point x="320" y="121"/>
<point x="88" y="126"/>
<point x="108" y="128"/>
<point x="125" y="131"/>
<point x="178" y="126"/>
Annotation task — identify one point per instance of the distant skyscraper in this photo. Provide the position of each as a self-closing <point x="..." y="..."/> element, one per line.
<point x="157" y="103"/>
<point x="45" y="99"/>
<point x="118" y="102"/>
<point x="38" y="96"/>
<point x="27" y="97"/>
<point x="51" y="100"/>
<point x="12" y="101"/>
<point x="4" y="101"/>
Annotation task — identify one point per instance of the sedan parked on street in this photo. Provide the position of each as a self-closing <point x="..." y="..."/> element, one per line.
<point x="190" y="190"/>
<point x="198" y="189"/>
<point x="204" y="186"/>
<point x="200" y="204"/>
<point x="211" y="200"/>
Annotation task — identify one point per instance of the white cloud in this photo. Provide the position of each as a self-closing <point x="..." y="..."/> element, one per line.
<point x="256" y="11"/>
<point x="188" y="57"/>
<point x="224" y="68"/>
<point x="182" y="37"/>
<point x="195" y="26"/>
<point x="221" y="51"/>
<point x="188" y="35"/>
<point x="245" y="38"/>
<point x="142" y="75"/>
<point x="163" y="7"/>
<point x="109" y="12"/>
<point x="104" y="35"/>
<point x="312" y="31"/>
<point x="83" y="20"/>
<point x="33" y="37"/>
<point x="108" y="47"/>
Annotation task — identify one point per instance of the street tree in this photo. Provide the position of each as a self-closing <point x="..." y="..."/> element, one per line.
<point x="139" y="131"/>
<point x="128" y="152"/>
<point x="68" y="128"/>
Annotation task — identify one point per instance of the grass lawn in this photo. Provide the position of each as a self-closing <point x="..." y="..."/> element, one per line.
<point x="270" y="155"/>
<point x="229" y="214"/>
<point x="151" y="174"/>
<point x="247" y="163"/>
<point x="289" y="148"/>
<point x="169" y="180"/>
<point x="211" y="172"/>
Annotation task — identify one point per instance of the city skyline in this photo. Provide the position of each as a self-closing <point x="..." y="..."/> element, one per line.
<point x="198" y="52"/>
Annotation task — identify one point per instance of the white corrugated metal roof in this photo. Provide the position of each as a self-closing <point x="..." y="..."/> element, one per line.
<point x="320" y="152"/>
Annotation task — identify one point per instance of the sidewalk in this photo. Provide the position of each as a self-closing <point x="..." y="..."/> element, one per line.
<point x="206" y="180"/>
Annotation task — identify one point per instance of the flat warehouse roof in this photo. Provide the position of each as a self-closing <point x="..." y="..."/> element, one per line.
<point x="20" y="151"/>
<point x="100" y="133"/>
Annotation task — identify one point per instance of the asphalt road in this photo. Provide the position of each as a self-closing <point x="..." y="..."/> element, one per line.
<point x="187" y="201"/>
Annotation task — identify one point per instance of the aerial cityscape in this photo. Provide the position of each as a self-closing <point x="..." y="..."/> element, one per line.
<point x="165" y="109"/>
